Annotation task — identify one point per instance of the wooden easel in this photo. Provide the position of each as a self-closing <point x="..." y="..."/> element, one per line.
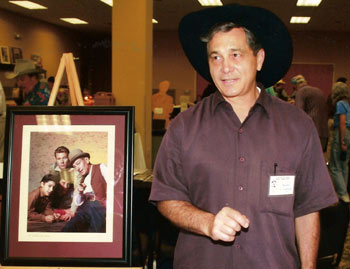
<point x="67" y="62"/>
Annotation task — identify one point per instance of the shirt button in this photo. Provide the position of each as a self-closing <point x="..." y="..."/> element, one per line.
<point x="237" y="246"/>
<point x="240" y="188"/>
<point x="240" y="130"/>
<point x="241" y="159"/>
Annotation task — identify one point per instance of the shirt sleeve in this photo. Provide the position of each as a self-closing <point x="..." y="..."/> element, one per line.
<point x="340" y="108"/>
<point x="168" y="180"/>
<point x="314" y="189"/>
<point x="104" y="171"/>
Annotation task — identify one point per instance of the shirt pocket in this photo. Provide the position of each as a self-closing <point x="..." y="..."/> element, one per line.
<point x="277" y="204"/>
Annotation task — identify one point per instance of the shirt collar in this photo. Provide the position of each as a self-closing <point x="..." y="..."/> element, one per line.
<point x="264" y="101"/>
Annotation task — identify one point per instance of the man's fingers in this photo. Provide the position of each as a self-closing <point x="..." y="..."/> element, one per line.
<point x="227" y="223"/>
<point x="237" y="217"/>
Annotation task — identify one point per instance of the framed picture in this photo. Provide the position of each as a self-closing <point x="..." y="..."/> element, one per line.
<point x="67" y="209"/>
<point x="16" y="54"/>
<point x="5" y="57"/>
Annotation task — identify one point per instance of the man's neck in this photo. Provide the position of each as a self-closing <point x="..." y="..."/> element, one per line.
<point x="242" y="105"/>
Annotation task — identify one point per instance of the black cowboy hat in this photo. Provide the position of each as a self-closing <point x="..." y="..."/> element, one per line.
<point x="267" y="27"/>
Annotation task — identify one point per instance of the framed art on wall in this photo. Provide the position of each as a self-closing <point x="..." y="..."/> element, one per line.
<point x="5" y="57"/>
<point x="16" y="54"/>
<point x="68" y="209"/>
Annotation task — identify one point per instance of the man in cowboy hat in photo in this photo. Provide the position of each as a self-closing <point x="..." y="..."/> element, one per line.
<point x="241" y="199"/>
<point x="27" y="76"/>
<point x="90" y="196"/>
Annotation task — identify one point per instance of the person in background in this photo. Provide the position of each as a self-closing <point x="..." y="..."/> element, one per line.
<point x="241" y="199"/>
<point x="313" y="101"/>
<point x="50" y="82"/>
<point x="27" y="77"/>
<point x="39" y="204"/>
<point x="279" y="90"/>
<point x="339" y="158"/>
<point x="2" y="122"/>
<point x="342" y="79"/>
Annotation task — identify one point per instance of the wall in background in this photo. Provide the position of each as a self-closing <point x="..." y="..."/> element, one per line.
<point x="50" y="42"/>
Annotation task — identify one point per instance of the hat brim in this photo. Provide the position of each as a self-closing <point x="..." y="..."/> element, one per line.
<point x="82" y="155"/>
<point x="11" y="75"/>
<point x="267" y="27"/>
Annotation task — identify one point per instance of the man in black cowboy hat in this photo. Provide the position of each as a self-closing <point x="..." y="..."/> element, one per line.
<point x="90" y="195"/>
<point x="27" y="76"/>
<point x="240" y="197"/>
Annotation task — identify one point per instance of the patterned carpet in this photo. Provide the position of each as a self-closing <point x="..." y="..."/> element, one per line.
<point x="345" y="261"/>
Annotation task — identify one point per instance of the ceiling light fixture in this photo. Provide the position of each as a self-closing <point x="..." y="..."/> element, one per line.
<point x="299" y="19"/>
<point x="308" y="3"/>
<point x="74" y="20"/>
<point x="154" y="21"/>
<point x="28" y="4"/>
<point x="108" y="2"/>
<point x="210" y="2"/>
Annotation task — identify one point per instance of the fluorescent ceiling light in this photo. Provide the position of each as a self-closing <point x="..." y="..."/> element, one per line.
<point x="299" y="19"/>
<point x="154" y="21"/>
<point x="308" y="3"/>
<point x="28" y="4"/>
<point x="108" y="2"/>
<point x="210" y="2"/>
<point x="73" y="20"/>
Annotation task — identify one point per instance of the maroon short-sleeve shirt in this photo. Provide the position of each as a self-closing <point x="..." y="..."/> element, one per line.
<point x="210" y="159"/>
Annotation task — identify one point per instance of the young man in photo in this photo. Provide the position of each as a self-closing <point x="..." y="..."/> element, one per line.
<point x="39" y="203"/>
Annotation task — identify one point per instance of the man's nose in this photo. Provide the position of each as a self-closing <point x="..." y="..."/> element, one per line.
<point x="227" y="65"/>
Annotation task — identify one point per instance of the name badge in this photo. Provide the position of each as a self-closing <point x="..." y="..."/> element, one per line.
<point x="281" y="185"/>
<point x="158" y="110"/>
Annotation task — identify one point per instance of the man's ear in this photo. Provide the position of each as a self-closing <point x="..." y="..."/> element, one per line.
<point x="260" y="59"/>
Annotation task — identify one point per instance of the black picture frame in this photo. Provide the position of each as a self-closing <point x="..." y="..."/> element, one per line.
<point x="35" y="131"/>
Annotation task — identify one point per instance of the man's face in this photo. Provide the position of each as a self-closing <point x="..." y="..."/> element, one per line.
<point x="82" y="166"/>
<point x="279" y="87"/>
<point x="26" y="83"/>
<point x="46" y="188"/>
<point x="232" y="63"/>
<point x="62" y="160"/>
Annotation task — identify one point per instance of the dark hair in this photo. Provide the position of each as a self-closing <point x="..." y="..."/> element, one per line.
<point x="47" y="178"/>
<point x="62" y="149"/>
<point x="341" y="79"/>
<point x="51" y="79"/>
<point x="225" y="27"/>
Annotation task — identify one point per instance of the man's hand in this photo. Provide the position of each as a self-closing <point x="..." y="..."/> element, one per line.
<point x="69" y="214"/>
<point x="81" y="187"/>
<point x="222" y="226"/>
<point x="226" y="224"/>
<point x="49" y="218"/>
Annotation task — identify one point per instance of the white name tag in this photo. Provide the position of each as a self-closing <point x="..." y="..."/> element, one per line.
<point x="281" y="185"/>
<point x="158" y="110"/>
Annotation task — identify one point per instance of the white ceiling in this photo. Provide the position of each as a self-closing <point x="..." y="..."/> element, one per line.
<point x="331" y="15"/>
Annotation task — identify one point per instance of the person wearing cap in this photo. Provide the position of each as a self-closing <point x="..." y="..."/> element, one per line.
<point x="39" y="203"/>
<point x="241" y="199"/>
<point x="279" y="90"/>
<point x="27" y="76"/>
<point x="90" y="196"/>
<point x="313" y="101"/>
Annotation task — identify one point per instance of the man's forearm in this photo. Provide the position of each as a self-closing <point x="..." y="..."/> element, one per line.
<point x="308" y="232"/>
<point x="186" y="216"/>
